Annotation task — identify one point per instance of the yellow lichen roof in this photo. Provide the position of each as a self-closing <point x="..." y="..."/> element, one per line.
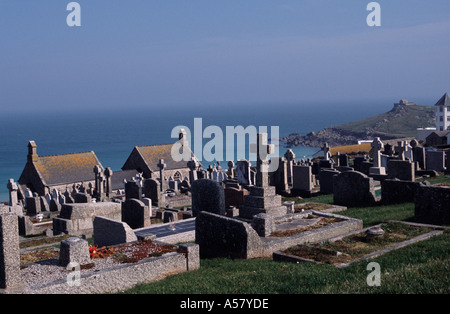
<point x="153" y="153"/>
<point x="68" y="168"/>
<point x="349" y="149"/>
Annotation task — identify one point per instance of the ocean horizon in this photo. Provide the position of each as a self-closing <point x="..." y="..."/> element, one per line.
<point x="113" y="134"/>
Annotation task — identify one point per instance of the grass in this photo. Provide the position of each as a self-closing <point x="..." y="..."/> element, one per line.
<point x="421" y="268"/>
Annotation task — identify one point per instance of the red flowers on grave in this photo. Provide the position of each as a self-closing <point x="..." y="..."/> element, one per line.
<point x="102" y="252"/>
<point x="93" y="250"/>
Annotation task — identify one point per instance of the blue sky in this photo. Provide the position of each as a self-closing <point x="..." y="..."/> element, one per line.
<point x="220" y="52"/>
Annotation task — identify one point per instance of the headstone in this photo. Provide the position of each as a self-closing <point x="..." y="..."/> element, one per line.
<point x="326" y="151"/>
<point x="133" y="190"/>
<point x="135" y="213"/>
<point x="401" y="149"/>
<point x="13" y="188"/>
<point x="55" y="206"/>
<point x="388" y="150"/>
<point x="447" y="162"/>
<point x="9" y="252"/>
<point x="220" y="236"/>
<point x="207" y="195"/>
<point x="432" y="205"/>
<point x="234" y="196"/>
<point x="33" y="206"/>
<point x="290" y="156"/>
<point x="108" y="175"/>
<point x="353" y="188"/>
<point x="74" y="250"/>
<point x="152" y="190"/>
<point x="243" y="172"/>
<point x="401" y="169"/>
<point x="279" y="178"/>
<point x="263" y="224"/>
<point x="326" y="177"/>
<point x="377" y="169"/>
<point x="193" y="166"/>
<point x="162" y="165"/>
<point x="302" y="178"/>
<point x="111" y="232"/>
<point x="343" y="160"/>
<point x="82" y="198"/>
<point x="262" y="150"/>
<point x="435" y="160"/>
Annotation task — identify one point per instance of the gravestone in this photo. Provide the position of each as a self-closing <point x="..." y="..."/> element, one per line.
<point x="394" y="191"/>
<point x="82" y="198"/>
<point x="207" y="195"/>
<point x="135" y="213"/>
<point x="152" y="190"/>
<point x="234" y="196"/>
<point x="279" y="178"/>
<point x="33" y="206"/>
<point x="418" y="155"/>
<point x="343" y="160"/>
<point x="290" y="156"/>
<point x="435" y="160"/>
<point x="111" y="232"/>
<point x="377" y="168"/>
<point x="13" y="188"/>
<point x="303" y="179"/>
<point x="401" y="169"/>
<point x="353" y="188"/>
<point x="231" y="172"/>
<point x="432" y="205"/>
<point x="326" y="177"/>
<point x="243" y="172"/>
<point x="262" y="198"/>
<point x="447" y="162"/>
<point x="9" y="252"/>
<point x="133" y="190"/>
<point x="220" y="236"/>
<point x="74" y="250"/>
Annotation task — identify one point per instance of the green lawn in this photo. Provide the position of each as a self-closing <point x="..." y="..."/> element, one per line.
<point x="423" y="267"/>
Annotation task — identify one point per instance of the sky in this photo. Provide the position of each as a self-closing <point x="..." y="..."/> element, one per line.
<point x="172" y="53"/>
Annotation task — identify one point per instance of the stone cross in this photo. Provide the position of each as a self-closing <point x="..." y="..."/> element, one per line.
<point x="377" y="146"/>
<point x="290" y="156"/>
<point x="262" y="150"/>
<point x="13" y="188"/>
<point x="326" y="151"/>
<point x="162" y="165"/>
<point x="401" y="148"/>
<point x="210" y="171"/>
<point x="192" y="165"/>
<point x="108" y="174"/>
<point x="99" y="182"/>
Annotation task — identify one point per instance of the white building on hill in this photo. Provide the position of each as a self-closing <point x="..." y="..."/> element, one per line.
<point x="443" y="113"/>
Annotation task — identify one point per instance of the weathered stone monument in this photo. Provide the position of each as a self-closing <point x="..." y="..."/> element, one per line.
<point x="111" y="232"/>
<point x="74" y="250"/>
<point x="135" y="213"/>
<point x="290" y="156"/>
<point x="353" y="188"/>
<point x="435" y="160"/>
<point x="302" y="180"/>
<point x="432" y="205"/>
<point x="377" y="169"/>
<point x="401" y="169"/>
<point x="13" y="188"/>
<point x="262" y="198"/>
<point x="9" y="252"/>
<point x="207" y="195"/>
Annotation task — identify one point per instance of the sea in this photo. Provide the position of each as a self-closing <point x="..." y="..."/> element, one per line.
<point x="113" y="133"/>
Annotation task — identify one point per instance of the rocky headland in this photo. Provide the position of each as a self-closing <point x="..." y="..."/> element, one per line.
<point x="401" y="122"/>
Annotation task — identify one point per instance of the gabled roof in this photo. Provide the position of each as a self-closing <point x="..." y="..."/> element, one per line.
<point x="444" y="101"/>
<point x="153" y="153"/>
<point x="68" y="168"/>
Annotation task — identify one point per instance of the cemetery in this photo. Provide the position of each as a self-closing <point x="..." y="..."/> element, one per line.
<point x="93" y="239"/>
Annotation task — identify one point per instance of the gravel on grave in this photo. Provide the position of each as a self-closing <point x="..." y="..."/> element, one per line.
<point x="48" y="271"/>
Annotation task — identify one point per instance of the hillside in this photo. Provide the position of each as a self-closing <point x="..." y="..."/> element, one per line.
<point x="402" y="121"/>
